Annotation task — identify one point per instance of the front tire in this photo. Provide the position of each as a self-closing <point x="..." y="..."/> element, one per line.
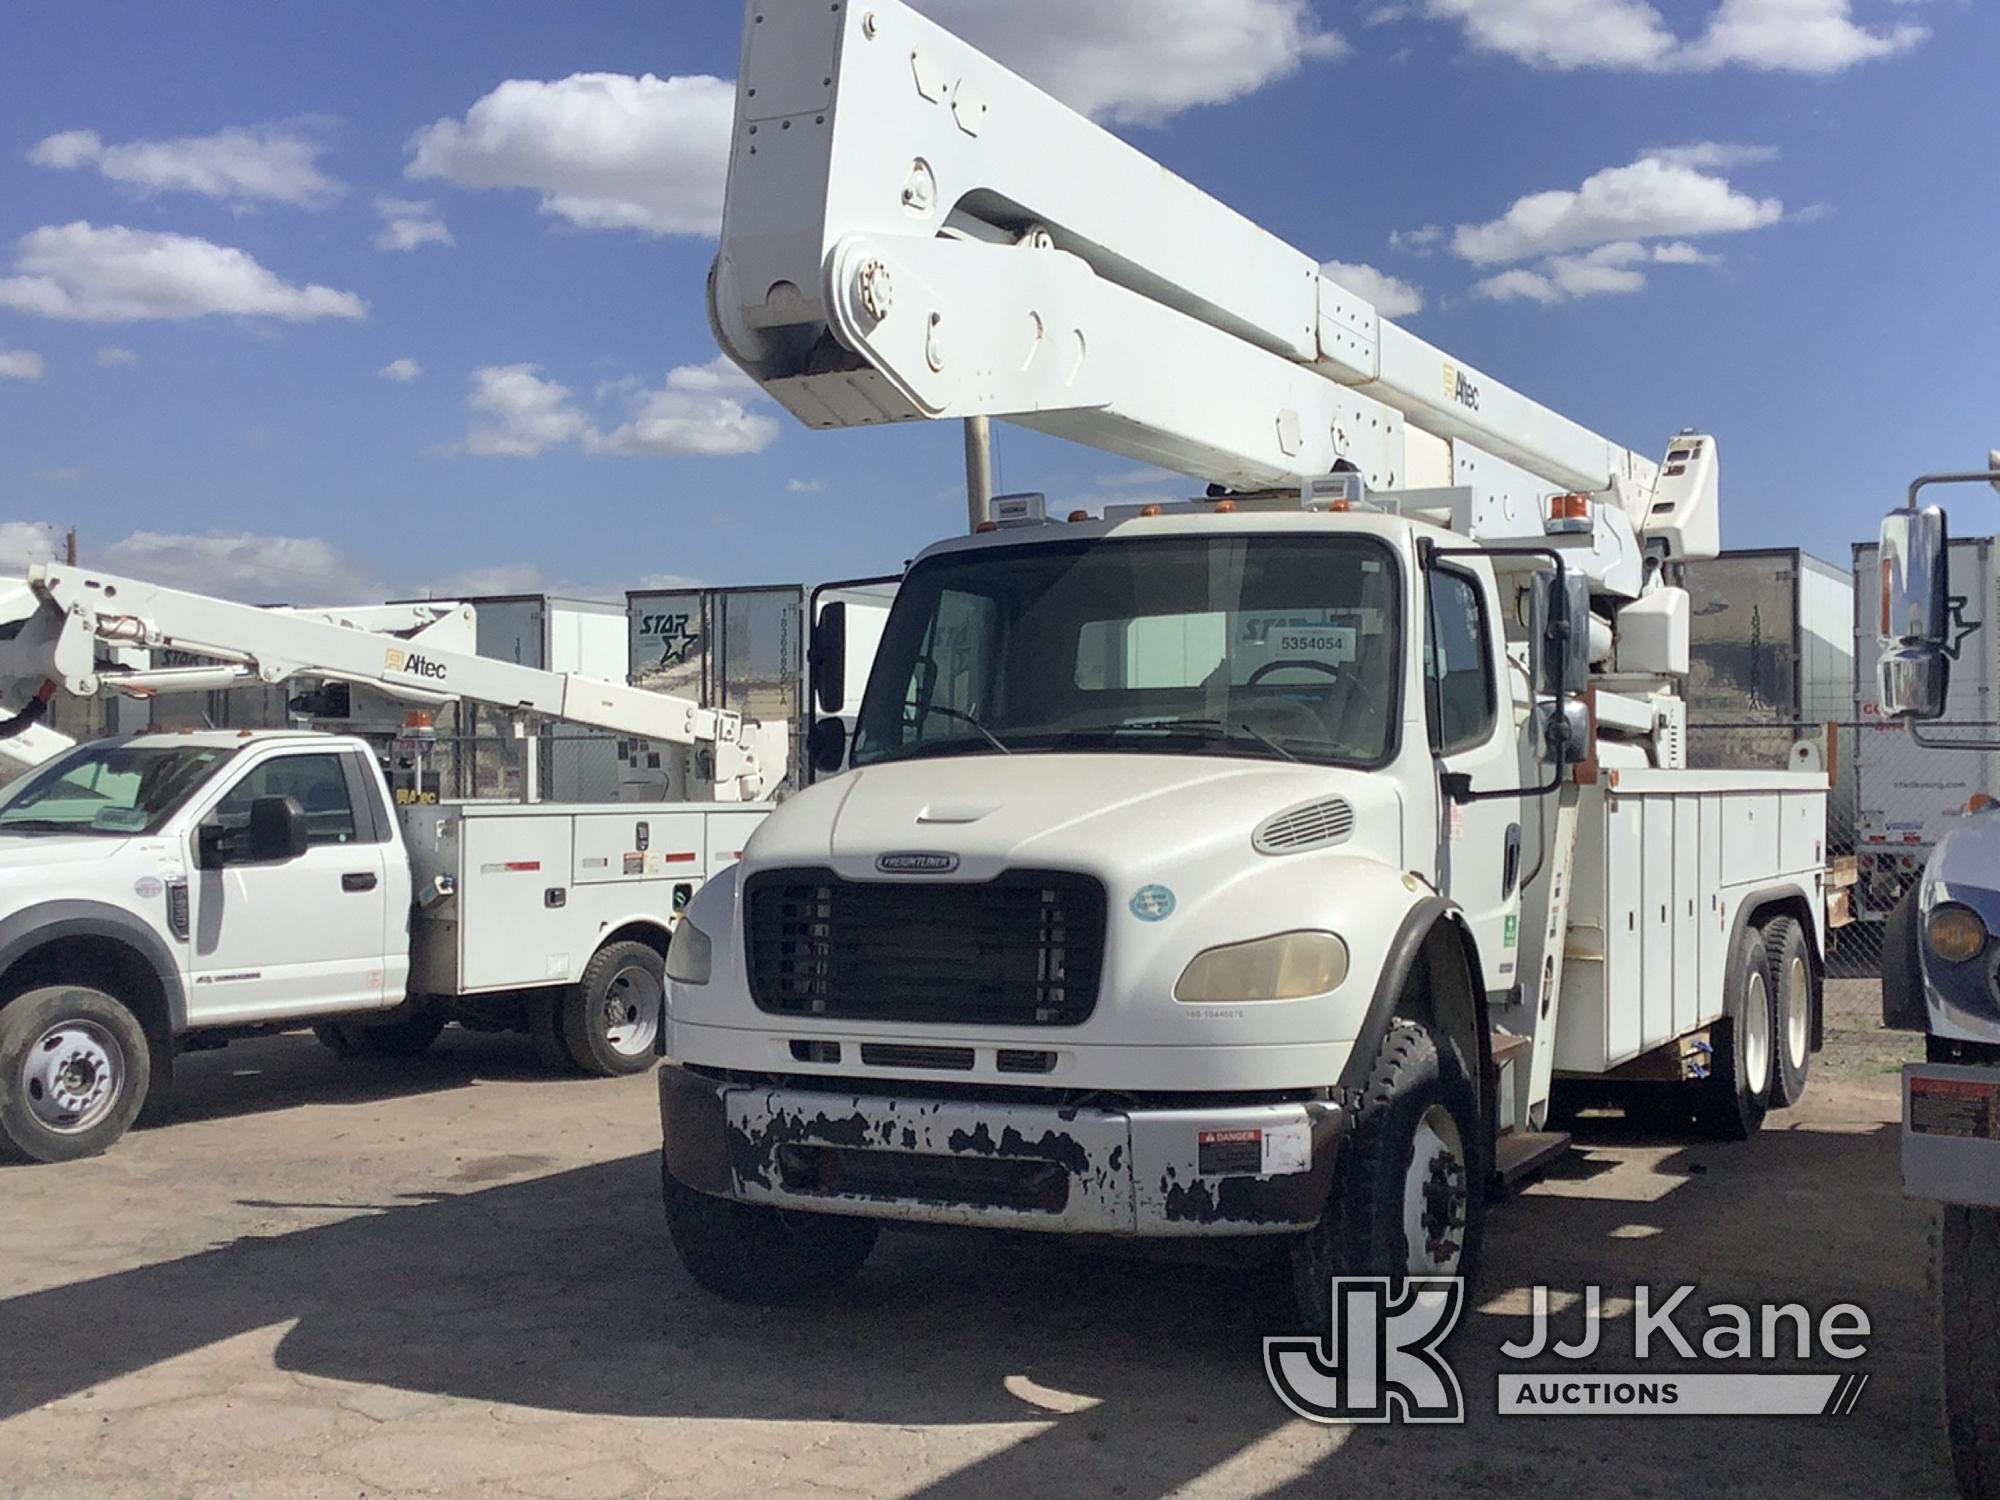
<point x="75" y="1067"/>
<point x="611" y="1019"/>
<point x="1969" y="1315"/>
<point x="1794" y="991"/>
<point x="1737" y="1092"/>
<point x="1409" y="1188"/>
<point x="763" y="1256"/>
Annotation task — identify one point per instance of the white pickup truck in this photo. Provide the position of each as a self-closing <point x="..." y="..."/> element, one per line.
<point x="167" y="892"/>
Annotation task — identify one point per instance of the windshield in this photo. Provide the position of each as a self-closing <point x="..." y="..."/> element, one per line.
<point x="1272" y="646"/>
<point x="111" y="789"/>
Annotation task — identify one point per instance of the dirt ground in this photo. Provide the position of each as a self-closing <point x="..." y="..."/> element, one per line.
<point x="451" y="1277"/>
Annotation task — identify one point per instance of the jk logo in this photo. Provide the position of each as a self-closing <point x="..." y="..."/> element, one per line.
<point x="1380" y="1361"/>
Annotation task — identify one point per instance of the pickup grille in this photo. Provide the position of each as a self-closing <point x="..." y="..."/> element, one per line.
<point x="1023" y="950"/>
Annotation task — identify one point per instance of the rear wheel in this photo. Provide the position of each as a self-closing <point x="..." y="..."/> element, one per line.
<point x="74" y="1070"/>
<point x="1794" y="989"/>
<point x="1969" y="1315"/>
<point x="1409" y="1189"/>
<point x="611" y="1019"/>
<point x="1737" y="1091"/>
<point x="750" y="1252"/>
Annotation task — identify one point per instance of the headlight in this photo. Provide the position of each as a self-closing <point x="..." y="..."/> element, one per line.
<point x="1289" y="966"/>
<point x="1955" y="932"/>
<point x="690" y="956"/>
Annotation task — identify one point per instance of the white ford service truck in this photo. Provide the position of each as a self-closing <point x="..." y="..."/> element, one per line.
<point x="169" y="891"/>
<point x="1248" y="869"/>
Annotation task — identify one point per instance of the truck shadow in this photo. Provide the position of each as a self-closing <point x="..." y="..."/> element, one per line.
<point x="269" y="1073"/>
<point x="560" y="1292"/>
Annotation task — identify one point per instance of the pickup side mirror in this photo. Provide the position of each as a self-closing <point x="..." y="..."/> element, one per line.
<point x="1915" y="622"/>
<point x="829" y="658"/>
<point x="276" y="833"/>
<point x="827" y="747"/>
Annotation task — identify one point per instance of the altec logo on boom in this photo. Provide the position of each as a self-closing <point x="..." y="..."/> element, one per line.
<point x="1458" y="388"/>
<point x="412" y="664"/>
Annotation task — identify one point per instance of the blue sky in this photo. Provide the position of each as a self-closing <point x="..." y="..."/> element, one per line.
<point x="222" y="225"/>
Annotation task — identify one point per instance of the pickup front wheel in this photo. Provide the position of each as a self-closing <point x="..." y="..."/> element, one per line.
<point x="74" y="1069"/>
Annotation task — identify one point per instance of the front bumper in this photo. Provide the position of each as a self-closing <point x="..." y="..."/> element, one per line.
<point x="1227" y="1168"/>
<point x="1951" y="1133"/>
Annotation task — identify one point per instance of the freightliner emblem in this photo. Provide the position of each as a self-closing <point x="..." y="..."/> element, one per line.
<point x="916" y="864"/>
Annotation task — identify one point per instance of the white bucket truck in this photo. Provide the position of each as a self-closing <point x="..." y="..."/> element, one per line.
<point x="1241" y="869"/>
<point x="169" y="891"/>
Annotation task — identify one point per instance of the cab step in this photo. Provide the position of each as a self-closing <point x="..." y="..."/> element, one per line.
<point x="1521" y="1153"/>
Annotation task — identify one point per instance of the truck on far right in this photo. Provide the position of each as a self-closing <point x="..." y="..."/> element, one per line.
<point x="1941" y="976"/>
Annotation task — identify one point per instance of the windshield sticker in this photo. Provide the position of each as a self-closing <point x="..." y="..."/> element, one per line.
<point x="1153" y="903"/>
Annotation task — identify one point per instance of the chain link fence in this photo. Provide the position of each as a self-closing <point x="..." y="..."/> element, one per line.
<point x="571" y="767"/>
<point x="1890" y="800"/>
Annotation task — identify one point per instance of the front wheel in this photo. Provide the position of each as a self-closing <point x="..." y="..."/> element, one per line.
<point x="1969" y="1315"/>
<point x="611" y="1019"/>
<point x="74" y="1070"/>
<point x="750" y="1252"/>
<point x="1409" y="1190"/>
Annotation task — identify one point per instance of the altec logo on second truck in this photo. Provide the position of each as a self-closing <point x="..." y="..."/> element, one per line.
<point x="413" y="664"/>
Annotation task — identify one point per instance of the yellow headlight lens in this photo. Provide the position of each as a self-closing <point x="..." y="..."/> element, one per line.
<point x="1288" y="966"/>
<point x="1955" y="932"/>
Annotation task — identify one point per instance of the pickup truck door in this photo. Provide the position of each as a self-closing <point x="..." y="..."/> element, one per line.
<point x="298" y="937"/>
<point x="1474" y="732"/>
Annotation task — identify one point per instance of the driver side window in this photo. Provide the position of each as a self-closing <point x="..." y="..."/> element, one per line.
<point x="1458" y="664"/>
<point x="955" y="661"/>
<point x="317" y="782"/>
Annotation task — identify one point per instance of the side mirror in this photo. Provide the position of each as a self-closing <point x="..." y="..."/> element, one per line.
<point x="1914" y="627"/>
<point x="827" y="746"/>
<point x="277" y="830"/>
<point x="828" y="658"/>
<point x="1560" y="609"/>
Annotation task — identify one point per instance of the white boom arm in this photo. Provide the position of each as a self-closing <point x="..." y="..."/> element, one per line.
<point x="912" y="231"/>
<point x="78" y="610"/>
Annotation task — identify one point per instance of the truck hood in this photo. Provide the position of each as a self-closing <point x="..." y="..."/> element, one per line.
<point x="21" y="852"/>
<point x="1118" y="816"/>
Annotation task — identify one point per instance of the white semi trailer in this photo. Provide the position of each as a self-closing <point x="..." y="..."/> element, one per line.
<point x="166" y="892"/>
<point x="1246" y="869"/>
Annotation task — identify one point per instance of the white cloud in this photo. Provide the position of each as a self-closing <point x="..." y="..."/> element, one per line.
<point x="111" y="356"/>
<point x="805" y="486"/>
<point x="1716" y="155"/>
<point x="243" y="565"/>
<point x="119" y="275"/>
<point x="1609" y="270"/>
<point x="402" y="371"/>
<point x="20" y="364"/>
<point x="1393" y="297"/>
<point x="700" y="411"/>
<point x="1798" y="36"/>
<point x="1795" y="36"/>
<point x="605" y="150"/>
<point x="61" y="474"/>
<point x="1420" y="241"/>
<point x="1142" y="62"/>
<point x="23" y="544"/>
<point x="409" y="223"/>
<point x="261" y="163"/>
<point x="1651" y="198"/>
<point x="517" y="414"/>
